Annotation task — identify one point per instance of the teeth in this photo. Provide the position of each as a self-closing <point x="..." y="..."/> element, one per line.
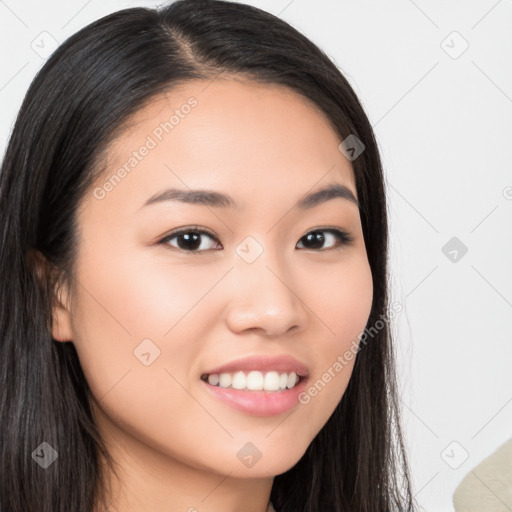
<point x="224" y="380"/>
<point x="283" y="380"/>
<point x="271" y="382"/>
<point x="239" y="381"/>
<point x="213" y="379"/>
<point x="255" y="380"/>
<point x="292" y="379"/>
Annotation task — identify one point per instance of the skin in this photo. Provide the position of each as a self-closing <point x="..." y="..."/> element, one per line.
<point x="174" y="444"/>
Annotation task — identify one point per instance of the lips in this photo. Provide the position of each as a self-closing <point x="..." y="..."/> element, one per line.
<point x="282" y="363"/>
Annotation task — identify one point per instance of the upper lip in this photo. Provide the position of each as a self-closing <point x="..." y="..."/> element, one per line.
<point x="281" y="363"/>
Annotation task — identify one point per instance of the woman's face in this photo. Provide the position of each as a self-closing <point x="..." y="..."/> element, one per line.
<point x="153" y="313"/>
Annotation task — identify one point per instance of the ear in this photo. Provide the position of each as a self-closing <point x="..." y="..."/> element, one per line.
<point x="61" y="312"/>
<point x="61" y="315"/>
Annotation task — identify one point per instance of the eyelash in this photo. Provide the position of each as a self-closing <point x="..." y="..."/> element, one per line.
<point x="344" y="238"/>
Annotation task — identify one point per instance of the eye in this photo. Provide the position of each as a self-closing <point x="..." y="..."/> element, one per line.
<point x="317" y="238"/>
<point x="189" y="239"/>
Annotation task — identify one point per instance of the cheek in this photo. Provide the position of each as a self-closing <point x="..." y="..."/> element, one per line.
<point x="130" y="295"/>
<point x="341" y="299"/>
<point x="133" y="322"/>
<point x="151" y="402"/>
<point x="340" y="302"/>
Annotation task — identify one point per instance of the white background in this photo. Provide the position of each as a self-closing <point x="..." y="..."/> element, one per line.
<point x="443" y="122"/>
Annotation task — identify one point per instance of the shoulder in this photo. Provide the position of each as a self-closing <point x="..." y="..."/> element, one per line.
<point x="485" y="486"/>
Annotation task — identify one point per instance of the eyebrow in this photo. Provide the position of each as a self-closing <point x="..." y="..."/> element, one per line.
<point x="220" y="200"/>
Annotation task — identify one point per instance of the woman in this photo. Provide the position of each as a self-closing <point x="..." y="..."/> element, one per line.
<point x="194" y="276"/>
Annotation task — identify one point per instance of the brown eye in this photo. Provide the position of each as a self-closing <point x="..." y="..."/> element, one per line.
<point x="190" y="240"/>
<point x="316" y="239"/>
<point x="193" y="240"/>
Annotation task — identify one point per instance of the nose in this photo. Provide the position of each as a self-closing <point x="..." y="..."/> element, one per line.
<point x="266" y="297"/>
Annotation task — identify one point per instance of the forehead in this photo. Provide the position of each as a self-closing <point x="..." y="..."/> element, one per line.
<point x="257" y="141"/>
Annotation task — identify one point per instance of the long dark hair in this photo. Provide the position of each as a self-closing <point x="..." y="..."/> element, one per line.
<point x="75" y="105"/>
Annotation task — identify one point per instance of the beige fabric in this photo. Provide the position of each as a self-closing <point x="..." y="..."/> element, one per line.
<point x="488" y="486"/>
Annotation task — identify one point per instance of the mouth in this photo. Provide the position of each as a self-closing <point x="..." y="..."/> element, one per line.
<point x="269" y="399"/>
<point x="259" y="385"/>
<point x="270" y="381"/>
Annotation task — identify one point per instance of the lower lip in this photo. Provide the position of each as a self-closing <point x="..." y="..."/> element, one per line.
<point x="259" y="403"/>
